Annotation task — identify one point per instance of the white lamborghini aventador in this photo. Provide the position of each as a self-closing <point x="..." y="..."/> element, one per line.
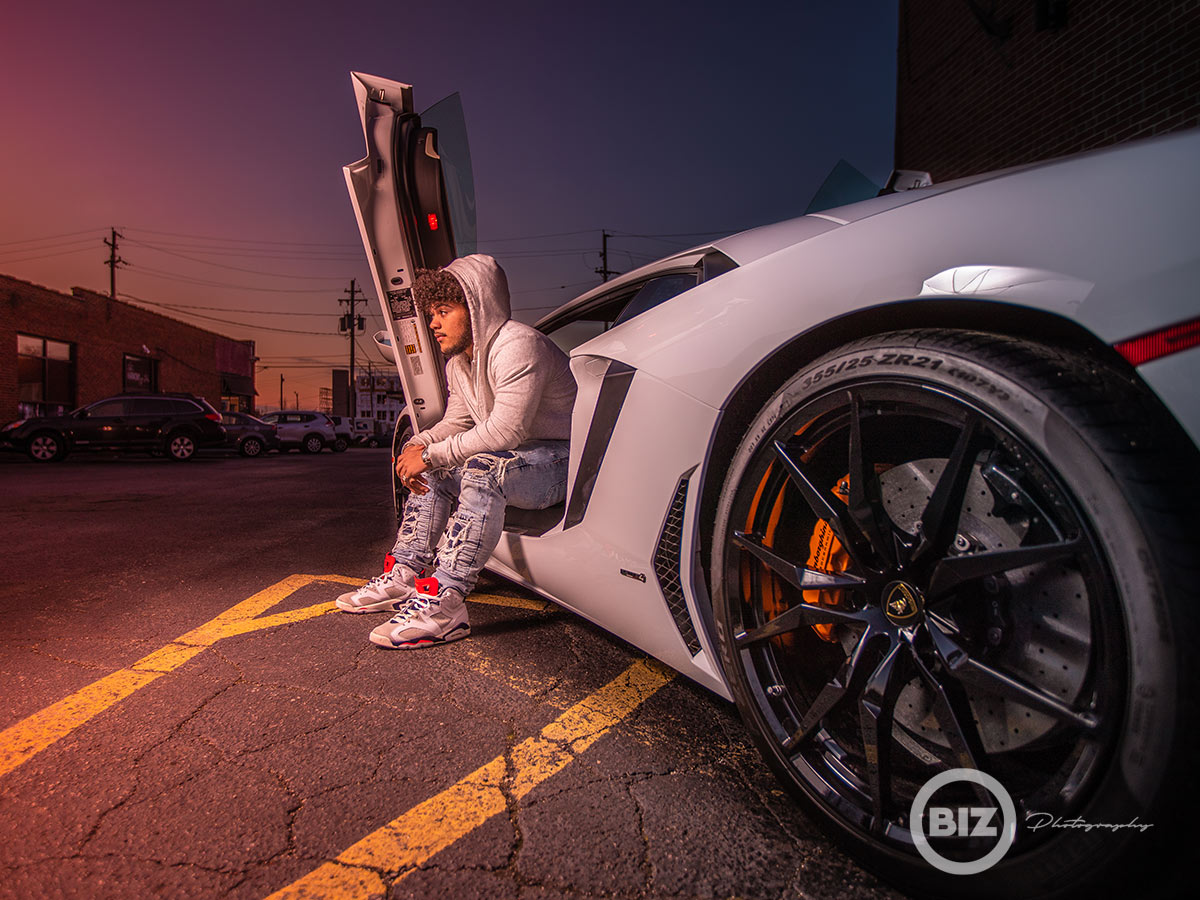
<point x="912" y="481"/>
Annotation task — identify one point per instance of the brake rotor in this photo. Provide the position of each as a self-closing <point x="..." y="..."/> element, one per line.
<point x="1047" y="639"/>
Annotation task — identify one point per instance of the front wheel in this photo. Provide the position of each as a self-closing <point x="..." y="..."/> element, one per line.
<point x="940" y="551"/>
<point x="252" y="447"/>
<point x="313" y="443"/>
<point x="46" y="446"/>
<point x="340" y="445"/>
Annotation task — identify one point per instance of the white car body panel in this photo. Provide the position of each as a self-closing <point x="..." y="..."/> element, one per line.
<point x="581" y="568"/>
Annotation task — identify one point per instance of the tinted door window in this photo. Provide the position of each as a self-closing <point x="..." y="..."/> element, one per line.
<point x="107" y="409"/>
<point x="656" y="291"/>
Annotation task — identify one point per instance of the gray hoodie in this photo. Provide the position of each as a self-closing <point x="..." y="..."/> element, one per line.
<point x="516" y="388"/>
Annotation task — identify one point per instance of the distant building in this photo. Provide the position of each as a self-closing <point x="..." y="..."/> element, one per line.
<point x="63" y="351"/>
<point x="377" y="396"/>
<point x="985" y="84"/>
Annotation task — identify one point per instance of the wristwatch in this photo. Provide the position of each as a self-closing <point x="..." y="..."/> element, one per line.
<point x="425" y="457"/>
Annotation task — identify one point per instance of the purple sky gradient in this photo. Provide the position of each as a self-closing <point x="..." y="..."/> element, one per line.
<point x="213" y="135"/>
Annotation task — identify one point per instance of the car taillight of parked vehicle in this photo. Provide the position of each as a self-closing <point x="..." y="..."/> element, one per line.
<point x="216" y="417"/>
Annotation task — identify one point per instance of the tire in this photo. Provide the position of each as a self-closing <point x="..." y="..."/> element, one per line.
<point x="372" y="442"/>
<point x="46" y="446"/>
<point x="889" y="665"/>
<point x="180" y="446"/>
<point x="401" y="436"/>
<point x="252" y="447"/>
<point x="340" y="445"/>
<point x="312" y="443"/>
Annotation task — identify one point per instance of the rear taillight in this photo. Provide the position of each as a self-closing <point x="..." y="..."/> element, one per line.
<point x="1157" y="344"/>
<point x="214" y="417"/>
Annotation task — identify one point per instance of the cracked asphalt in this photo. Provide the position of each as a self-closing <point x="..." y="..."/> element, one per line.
<point x="541" y="758"/>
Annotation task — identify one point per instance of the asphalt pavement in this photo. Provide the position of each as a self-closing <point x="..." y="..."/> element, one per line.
<point x="185" y="715"/>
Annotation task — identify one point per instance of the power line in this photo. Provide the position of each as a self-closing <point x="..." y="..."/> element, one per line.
<point x="259" y="312"/>
<point x="50" y="237"/>
<point x="303" y="255"/>
<point x="204" y="282"/>
<point x="201" y="237"/>
<point x="47" y="255"/>
<point x="205" y="262"/>
<point x="230" y="322"/>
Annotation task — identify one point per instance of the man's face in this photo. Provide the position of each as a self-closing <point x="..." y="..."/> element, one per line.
<point x="451" y="327"/>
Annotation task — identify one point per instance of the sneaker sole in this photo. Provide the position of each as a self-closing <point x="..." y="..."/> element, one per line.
<point x="378" y="606"/>
<point x="385" y="642"/>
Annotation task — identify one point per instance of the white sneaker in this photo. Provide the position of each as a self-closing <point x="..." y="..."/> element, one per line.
<point x="388" y="592"/>
<point x="432" y="617"/>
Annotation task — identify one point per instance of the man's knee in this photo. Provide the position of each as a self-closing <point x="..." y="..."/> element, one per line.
<point x="487" y="469"/>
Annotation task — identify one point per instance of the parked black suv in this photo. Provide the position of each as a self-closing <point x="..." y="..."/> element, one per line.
<point x="171" y="424"/>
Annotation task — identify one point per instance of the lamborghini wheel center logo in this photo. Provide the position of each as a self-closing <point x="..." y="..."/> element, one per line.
<point x="901" y="603"/>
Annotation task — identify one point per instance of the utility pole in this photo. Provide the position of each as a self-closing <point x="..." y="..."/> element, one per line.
<point x="350" y="323"/>
<point x="112" y="263"/>
<point x="297" y="393"/>
<point x="604" y="271"/>
<point x="281" y="390"/>
<point x="371" y="379"/>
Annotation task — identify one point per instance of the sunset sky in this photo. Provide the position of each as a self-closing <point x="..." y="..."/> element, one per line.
<point x="212" y="136"/>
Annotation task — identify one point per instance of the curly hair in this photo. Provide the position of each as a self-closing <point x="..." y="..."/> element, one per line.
<point x="434" y="286"/>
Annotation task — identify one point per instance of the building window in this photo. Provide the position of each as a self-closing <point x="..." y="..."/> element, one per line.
<point x="141" y="373"/>
<point x="45" y="376"/>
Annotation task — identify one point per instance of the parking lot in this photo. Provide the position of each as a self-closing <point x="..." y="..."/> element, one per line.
<point x="186" y="715"/>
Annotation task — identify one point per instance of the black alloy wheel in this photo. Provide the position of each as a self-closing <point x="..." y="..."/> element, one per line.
<point x="340" y="444"/>
<point x="927" y="558"/>
<point x="251" y="446"/>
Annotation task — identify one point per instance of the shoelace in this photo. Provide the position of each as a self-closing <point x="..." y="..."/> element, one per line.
<point x="414" y="605"/>
<point x="377" y="581"/>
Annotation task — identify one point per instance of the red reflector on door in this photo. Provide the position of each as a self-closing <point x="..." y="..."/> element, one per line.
<point x="433" y="222"/>
<point x="1157" y="344"/>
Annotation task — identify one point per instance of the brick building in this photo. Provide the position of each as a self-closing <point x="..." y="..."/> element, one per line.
<point x="60" y="351"/>
<point x="984" y="84"/>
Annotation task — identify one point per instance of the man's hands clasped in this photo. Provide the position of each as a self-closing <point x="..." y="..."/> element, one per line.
<point x="409" y="469"/>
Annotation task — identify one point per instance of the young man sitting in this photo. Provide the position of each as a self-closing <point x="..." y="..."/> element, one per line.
<point x="503" y="440"/>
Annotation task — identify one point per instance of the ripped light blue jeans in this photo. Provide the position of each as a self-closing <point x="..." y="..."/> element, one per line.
<point x="533" y="476"/>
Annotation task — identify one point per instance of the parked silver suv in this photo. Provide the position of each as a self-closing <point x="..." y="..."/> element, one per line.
<point x="303" y="429"/>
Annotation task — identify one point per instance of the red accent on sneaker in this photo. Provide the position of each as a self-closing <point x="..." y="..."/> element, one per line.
<point x="428" y="586"/>
<point x="389" y="563"/>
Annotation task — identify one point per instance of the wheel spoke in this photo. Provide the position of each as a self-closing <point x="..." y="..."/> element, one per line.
<point x="953" y="571"/>
<point x="798" y="576"/>
<point x="866" y="498"/>
<point x="843" y="526"/>
<point x="982" y="676"/>
<point x="877" y="707"/>
<point x="797" y="617"/>
<point x="939" y="521"/>
<point x="847" y="683"/>
<point x="952" y="710"/>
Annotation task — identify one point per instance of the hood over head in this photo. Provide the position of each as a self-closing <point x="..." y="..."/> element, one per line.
<point x="486" y="288"/>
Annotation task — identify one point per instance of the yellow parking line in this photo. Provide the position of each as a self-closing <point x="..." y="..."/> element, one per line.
<point x="38" y="731"/>
<point x="410" y="840"/>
